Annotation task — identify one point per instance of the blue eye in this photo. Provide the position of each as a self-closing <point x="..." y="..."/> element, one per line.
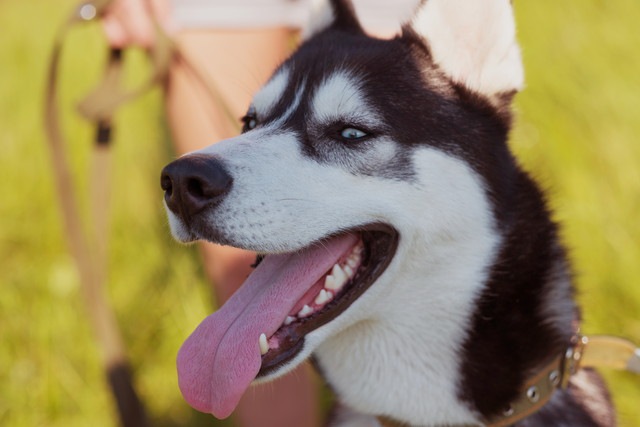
<point x="250" y="120"/>
<point x="352" y="133"/>
<point x="248" y="123"/>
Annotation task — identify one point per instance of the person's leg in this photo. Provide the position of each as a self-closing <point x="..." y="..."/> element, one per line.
<point x="237" y="62"/>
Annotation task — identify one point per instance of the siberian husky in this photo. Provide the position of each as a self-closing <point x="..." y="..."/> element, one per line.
<point x="401" y="245"/>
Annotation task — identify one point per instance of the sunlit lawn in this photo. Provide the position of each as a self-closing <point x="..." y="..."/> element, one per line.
<point x="577" y="123"/>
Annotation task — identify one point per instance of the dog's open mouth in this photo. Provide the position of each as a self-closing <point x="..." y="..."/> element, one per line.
<point x="264" y="323"/>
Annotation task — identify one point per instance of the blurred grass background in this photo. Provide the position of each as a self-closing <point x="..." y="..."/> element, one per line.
<point x="576" y="130"/>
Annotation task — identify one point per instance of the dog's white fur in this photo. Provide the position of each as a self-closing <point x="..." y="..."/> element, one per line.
<point x="340" y="97"/>
<point x="269" y="94"/>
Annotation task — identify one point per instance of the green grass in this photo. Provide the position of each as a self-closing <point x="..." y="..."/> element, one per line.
<point x="576" y="130"/>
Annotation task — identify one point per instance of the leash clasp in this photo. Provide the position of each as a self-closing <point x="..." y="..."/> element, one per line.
<point x="572" y="359"/>
<point x="599" y="351"/>
<point x="90" y="10"/>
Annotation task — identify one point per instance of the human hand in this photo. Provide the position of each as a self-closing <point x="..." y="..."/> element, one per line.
<point x="131" y="22"/>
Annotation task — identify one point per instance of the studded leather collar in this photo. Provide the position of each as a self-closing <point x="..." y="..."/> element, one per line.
<point x="596" y="351"/>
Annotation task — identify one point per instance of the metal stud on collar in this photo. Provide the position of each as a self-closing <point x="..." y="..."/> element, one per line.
<point x="533" y="394"/>
<point x="572" y="358"/>
<point x="554" y="378"/>
<point x="509" y="411"/>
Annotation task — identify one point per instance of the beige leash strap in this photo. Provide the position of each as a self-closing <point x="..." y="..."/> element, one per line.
<point x="603" y="351"/>
<point x="80" y="245"/>
<point x="101" y="103"/>
<point x="88" y="242"/>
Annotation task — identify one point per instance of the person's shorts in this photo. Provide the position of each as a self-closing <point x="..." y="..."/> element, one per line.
<point x="245" y="14"/>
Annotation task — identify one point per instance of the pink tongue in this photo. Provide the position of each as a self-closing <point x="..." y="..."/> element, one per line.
<point x="219" y="360"/>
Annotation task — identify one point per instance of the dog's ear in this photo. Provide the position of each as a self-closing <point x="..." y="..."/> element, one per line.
<point x="338" y="14"/>
<point x="473" y="42"/>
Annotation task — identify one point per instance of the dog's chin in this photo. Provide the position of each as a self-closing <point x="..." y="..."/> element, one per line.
<point x="363" y="265"/>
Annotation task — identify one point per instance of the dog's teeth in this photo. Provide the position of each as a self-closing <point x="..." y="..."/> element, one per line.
<point x="264" y="345"/>
<point x="353" y="261"/>
<point x="322" y="297"/>
<point x="330" y="283"/>
<point x="336" y="280"/>
<point x="340" y="276"/>
<point x="348" y="270"/>
<point x="305" y="311"/>
<point x="289" y="320"/>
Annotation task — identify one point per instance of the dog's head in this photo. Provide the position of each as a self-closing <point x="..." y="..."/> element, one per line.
<point x="366" y="166"/>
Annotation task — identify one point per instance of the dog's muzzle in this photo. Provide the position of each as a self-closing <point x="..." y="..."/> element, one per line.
<point x="193" y="183"/>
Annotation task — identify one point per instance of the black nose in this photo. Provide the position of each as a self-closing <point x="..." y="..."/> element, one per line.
<point x="194" y="182"/>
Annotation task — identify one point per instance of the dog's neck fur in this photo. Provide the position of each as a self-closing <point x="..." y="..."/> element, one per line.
<point x="526" y="314"/>
<point x="443" y="280"/>
<point x="469" y="366"/>
<point x="425" y="360"/>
